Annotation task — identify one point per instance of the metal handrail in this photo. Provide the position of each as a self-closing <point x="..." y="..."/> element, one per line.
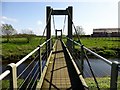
<point x="45" y="42"/>
<point x="26" y="57"/>
<point x="4" y="74"/>
<point x="104" y="59"/>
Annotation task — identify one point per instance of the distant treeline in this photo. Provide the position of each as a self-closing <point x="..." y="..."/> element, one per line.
<point x="82" y="35"/>
<point x="21" y="35"/>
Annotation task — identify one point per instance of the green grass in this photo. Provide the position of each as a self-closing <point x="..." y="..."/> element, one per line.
<point x="107" y="47"/>
<point x="6" y="83"/>
<point x="103" y="82"/>
<point x="101" y="42"/>
<point x="18" y="47"/>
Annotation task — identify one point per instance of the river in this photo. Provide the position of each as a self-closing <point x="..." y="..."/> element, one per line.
<point x="99" y="67"/>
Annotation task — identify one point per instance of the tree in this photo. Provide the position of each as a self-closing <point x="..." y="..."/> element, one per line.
<point x="28" y="34"/>
<point x="80" y="30"/>
<point x="8" y="30"/>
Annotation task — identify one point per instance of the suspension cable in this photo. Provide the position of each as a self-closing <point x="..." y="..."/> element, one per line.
<point x="64" y="23"/>
<point x="49" y="16"/>
<point x="74" y="27"/>
<point x="90" y="67"/>
<point x="53" y="22"/>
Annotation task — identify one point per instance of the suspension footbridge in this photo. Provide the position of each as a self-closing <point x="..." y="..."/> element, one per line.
<point x="55" y="65"/>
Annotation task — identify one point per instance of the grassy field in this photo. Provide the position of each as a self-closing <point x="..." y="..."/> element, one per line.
<point x="107" y="47"/>
<point x="18" y="47"/>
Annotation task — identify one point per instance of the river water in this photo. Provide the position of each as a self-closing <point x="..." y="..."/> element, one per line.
<point x="99" y="67"/>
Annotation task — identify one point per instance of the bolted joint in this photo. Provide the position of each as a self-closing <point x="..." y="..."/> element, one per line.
<point x="13" y="75"/>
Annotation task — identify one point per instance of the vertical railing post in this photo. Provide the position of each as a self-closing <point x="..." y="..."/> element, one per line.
<point x="40" y="60"/>
<point x="13" y="76"/>
<point x="82" y="59"/>
<point x="114" y="75"/>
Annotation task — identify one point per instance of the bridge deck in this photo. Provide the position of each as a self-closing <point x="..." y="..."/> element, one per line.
<point x="57" y="76"/>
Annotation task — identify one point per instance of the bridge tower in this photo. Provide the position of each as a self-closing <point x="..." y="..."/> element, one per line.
<point x="58" y="31"/>
<point x="49" y="12"/>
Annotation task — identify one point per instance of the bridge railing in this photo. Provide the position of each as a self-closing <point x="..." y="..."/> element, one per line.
<point x="115" y="66"/>
<point x="26" y="72"/>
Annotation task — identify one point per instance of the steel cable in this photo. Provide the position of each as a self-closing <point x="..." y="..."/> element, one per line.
<point x="53" y="22"/>
<point x="74" y="27"/>
<point x="46" y="25"/>
<point x="86" y="57"/>
<point x="64" y="23"/>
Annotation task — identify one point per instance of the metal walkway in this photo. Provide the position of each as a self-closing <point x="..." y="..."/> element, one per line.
<point x="57" y="76"/>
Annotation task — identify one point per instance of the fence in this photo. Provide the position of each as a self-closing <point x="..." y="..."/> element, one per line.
<point x="26" y="76"/>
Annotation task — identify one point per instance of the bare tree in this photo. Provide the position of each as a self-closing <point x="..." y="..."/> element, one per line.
<point x="80" y="30"/>
<point x="8" y="30"/>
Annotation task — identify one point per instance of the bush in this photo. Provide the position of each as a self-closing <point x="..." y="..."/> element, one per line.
<point x="110" y="52"/>
<point x="107" y="53"/>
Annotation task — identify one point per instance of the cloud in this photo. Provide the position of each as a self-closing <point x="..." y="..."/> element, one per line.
<point x="30" y="28"/>
<point x="9" y="19"/>
<point x="2" y="22"/>
<point x="39" y="22"/>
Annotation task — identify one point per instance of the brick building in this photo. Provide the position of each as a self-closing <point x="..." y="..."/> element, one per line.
<point x="106" y="32"/>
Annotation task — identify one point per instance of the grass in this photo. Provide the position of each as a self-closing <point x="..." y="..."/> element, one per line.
<point x="101" y="42"/>
<point x="103" y="82"/>
<point x="18" y="47"/>
<point x="6" y="83"/>
<point x="106" y="47"/>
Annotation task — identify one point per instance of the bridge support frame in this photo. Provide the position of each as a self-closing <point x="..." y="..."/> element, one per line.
<point x="49" y="12"/>
<point x="48" y="21"/>
<point x="58" y="31"/>
<point x="70" y="15"/>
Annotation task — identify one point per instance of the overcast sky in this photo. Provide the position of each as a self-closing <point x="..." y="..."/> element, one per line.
<point x="32" y="15"/>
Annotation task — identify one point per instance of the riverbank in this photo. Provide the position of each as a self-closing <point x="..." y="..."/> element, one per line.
<point x="108" y="47"/>
<point x="17" y="48"/>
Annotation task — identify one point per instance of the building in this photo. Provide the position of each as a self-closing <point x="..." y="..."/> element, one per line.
<point x="106" y="32"/>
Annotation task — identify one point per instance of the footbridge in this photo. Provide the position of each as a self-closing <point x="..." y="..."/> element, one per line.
<point x="56" y="64"/>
